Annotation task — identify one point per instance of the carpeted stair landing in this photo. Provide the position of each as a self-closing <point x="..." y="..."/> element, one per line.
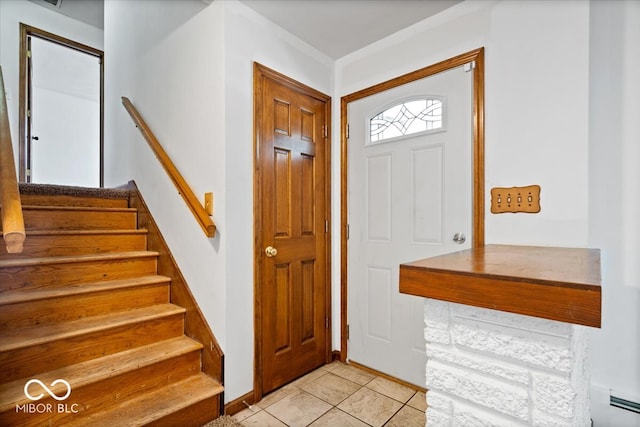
<point x="223" y="421"/>
<point x="65" y="190"/>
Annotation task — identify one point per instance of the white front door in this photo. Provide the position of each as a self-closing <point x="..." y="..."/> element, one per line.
<point x="408" y="197"/>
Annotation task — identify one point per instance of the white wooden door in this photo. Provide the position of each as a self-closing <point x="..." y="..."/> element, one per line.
<point x="408" y="197"/>
<point x="65" y="115"/>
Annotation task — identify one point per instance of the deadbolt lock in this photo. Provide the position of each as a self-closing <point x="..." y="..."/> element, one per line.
<point x="459" y="238"/>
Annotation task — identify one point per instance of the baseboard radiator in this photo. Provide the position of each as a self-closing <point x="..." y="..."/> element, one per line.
<point x="621" y="403"/>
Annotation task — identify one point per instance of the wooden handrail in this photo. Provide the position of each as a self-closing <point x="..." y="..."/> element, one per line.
<point x="185" y="191"/>
<point x="12" y="219"/>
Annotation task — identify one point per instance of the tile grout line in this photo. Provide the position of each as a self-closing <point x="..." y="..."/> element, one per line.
<point x="298" y="387"/>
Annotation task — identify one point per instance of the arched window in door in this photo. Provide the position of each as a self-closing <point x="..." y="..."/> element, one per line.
<point x="408" y="117"/>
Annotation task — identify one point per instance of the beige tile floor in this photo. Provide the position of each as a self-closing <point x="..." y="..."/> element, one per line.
<point x="338" y="395"/>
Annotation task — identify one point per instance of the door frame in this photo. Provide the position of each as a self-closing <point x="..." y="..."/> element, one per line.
<point x="476" y="56"/>
<point x="261" y="72"/>
<point x="24" y="127"/>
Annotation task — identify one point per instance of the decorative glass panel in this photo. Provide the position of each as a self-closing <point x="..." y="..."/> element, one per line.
<point x="413" y="116"/>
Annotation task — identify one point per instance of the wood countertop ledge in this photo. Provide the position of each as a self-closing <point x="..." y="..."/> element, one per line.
<point x="552" y="283"/>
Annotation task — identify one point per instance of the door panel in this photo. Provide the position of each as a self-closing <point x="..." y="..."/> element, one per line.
<point x="426" y="216"/>
<point x="378" y="184"/>
<point x="407" y="198"/>
<point x="65" y="115"/>
<point x="291" y="282"/>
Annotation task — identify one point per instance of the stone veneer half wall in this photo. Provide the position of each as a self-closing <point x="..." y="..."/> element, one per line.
<point x="493" y="368"/>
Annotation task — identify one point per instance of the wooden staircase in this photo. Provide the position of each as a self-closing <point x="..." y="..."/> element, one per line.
<point x="85" y="303"/>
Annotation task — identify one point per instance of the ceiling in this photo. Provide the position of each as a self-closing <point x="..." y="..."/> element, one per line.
<point x="334" y="27"/>
<point x="339" y="27"/>
<point x="88" y="11"/>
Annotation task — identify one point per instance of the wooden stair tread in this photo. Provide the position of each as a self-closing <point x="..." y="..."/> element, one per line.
<point x="65" y="232"/>
<point x="76" y="208"/>
<point x="95" y="370"/>
<point x="153" y="406"/>
<point x="84" y="302"/>
<point x="34" y="336"/>
<point x="82" y="288"/>
<point x="25" y="262"/>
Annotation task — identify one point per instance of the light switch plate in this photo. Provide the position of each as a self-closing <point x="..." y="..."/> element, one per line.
<point x="515" y="199"/>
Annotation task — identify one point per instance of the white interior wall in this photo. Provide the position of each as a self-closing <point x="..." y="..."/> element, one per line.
<point x="188" y="68"/>
<point x="522" y="92"/>
<point x="14" y="12"/>
<point x="165" y="57"/>
<point x="614" y="133"/>
<point x="538" y="85"/>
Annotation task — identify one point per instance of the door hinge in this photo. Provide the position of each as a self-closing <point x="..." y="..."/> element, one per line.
<point x="28" y="172"/>
<point x="28" y="54"/>
<point x="325" y="132"/>
<point x="28" y="113"/>
<point x="326" y="323"/>
<point x="347" y="231"/>
<point x="326" y="226"/>
<point x="469" y="66"/>
<point x="347" y="331"/>
<point x="347" y="130"/>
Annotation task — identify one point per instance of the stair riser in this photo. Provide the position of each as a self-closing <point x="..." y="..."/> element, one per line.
<point x="90" y="398"/>
<point x="43" y="219"/>
<point x="55" y="275"/>
<point x="68" y="308"/>
<point x="195" y="415"/>
<point x="29" y="361"/>
<point x="76" y="244"/>
<point x="191" y="402"/>
<point x="45" y="200"/>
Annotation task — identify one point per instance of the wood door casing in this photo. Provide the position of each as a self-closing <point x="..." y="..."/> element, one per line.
<point x="25" y="91"/>
<point x="476" y="56"/>
<point x="292" y="210"/>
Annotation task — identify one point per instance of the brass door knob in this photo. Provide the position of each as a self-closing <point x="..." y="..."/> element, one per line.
<point x="271" y="251"/>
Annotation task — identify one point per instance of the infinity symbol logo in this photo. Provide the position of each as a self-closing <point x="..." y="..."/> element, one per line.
<point x="47" y="389"/>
